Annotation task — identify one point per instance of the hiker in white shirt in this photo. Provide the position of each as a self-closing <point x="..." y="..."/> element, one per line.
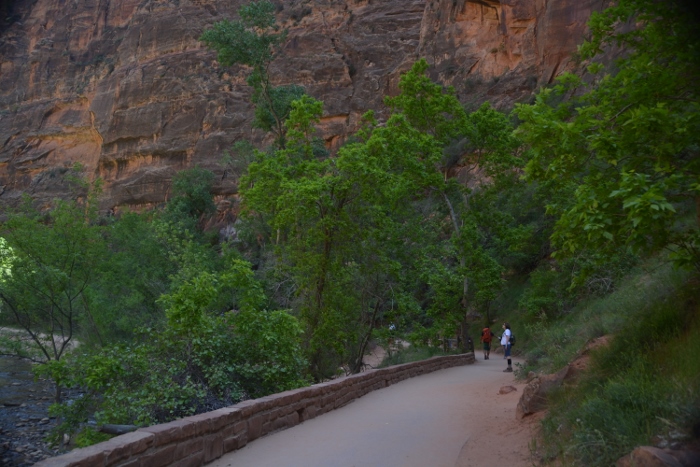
<point x="505" y="342"/>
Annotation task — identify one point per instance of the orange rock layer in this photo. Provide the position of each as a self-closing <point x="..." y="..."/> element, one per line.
<point x="125" y="88"/>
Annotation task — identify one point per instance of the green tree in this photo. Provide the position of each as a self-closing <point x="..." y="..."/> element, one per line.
<point x="192" y="198"/>
<point x="333" y="218"/>
<point x="622" y="150"/>
<point x="304" y="201"/>
<point x="137" y="269"/>
<point x="253" y="41"/>
<point x="49" y="263"/>
<point x="480" y="144"/>
<point x="218" y="346"/>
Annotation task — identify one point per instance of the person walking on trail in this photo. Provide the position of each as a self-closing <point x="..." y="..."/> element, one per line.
<point x="487" y="336"/>
<point x="505" y="342"/>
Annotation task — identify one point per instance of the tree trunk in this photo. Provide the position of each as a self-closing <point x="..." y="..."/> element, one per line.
<point x="467" y="342"/>
<point x="57" y="394"/>
<point x="357" y="365"/>
<point x="462" y="261"/>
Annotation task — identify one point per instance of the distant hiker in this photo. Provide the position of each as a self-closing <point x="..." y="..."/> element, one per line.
<point x="505" y="342"/>
<point x="487" y="336"/>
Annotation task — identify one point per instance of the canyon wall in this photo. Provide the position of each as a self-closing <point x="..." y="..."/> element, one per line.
<point x="125" y="88"/>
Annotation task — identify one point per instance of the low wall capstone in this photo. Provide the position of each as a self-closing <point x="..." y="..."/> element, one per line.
<point x="199" y="439"/>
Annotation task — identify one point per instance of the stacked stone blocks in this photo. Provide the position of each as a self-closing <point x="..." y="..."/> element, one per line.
<point x="199" y="439"/>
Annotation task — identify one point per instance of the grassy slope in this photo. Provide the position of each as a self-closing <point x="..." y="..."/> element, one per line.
<point x="643" y="388"/>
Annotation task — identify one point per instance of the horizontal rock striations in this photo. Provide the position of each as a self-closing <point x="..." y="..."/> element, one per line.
<point x="125" y="88"/>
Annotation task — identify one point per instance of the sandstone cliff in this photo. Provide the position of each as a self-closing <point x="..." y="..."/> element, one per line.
<point x="125" y="88"/>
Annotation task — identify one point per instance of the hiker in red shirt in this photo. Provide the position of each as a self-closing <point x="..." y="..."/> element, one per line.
<point x="486" y="337"/>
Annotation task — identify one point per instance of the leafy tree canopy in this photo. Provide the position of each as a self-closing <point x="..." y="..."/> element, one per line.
<point x="52" y="260"/>
<point x="624" y="146"/>
<point x="192" y="197"/>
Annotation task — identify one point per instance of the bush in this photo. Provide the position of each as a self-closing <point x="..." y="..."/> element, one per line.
<point x="90" y="436"/>
<point x="548" y="296"/>
<point x="192" y="197"/>
<point x="555" y="287"/>
<point x="200" y="361"/>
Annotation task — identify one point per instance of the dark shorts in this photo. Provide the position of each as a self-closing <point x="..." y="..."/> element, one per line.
<point x="487" y="345"/>
<point x="507" y="350"/>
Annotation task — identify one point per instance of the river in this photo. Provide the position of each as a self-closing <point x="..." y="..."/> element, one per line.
<point x="15" y="380"/>
<point x="24" y="419"/>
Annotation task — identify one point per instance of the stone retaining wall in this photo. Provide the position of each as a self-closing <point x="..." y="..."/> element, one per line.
<point x="196" y="440"/>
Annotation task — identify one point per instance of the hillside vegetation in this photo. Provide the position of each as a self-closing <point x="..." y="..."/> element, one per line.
<point x="641" y="387"/>
<point x="573" y="217"/>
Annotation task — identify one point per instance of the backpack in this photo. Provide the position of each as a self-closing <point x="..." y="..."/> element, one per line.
<point x="486" y="335"/>
<point x="512" y="339"/>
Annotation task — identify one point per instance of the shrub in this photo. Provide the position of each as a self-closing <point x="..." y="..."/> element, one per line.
<point x="200" y="361"/>
<point x="192" y="197"/>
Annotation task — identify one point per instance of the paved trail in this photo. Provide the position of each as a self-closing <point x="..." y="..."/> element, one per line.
<point x="450" y="418"/>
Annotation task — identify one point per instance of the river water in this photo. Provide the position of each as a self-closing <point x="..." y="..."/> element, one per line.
<point x="24" y="418"/>
<point x="15" y="380"/>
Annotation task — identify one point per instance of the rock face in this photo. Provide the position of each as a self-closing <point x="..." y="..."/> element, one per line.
<point x="125" y="88"/>
<point x="535" y="396"/>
